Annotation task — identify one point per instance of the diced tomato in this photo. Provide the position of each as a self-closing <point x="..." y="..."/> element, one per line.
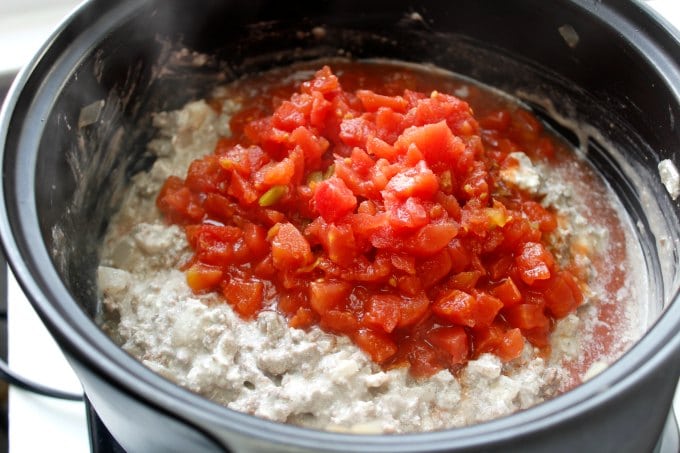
<point x="265" y="268"/>
<point x="339" y="322"/>
<point x="302" y="319"/>
<point x="333" y="200"/>
<point x="526" y="316"/>
<point x="511" y="345"/>
<point x="450" y="204"/>
<point x="340" y="244"/>
<point x="487" y="339"/>
<point x="325" y="295"/>
<point x="312" y="146"/>
<point x="499" y="266"/>
<point x="534" y="262"/>
<point x="465" y="309"/>
<point x="412" y="309"/>
<point x="290" y="249"/>
<point x="290" y="301"/>
<point x="434" y="269"/>
<point x="178" y="203"/>
<point x="424" y="360"/>
<point x="413" y="155"/>
<point x="242" y="160"/>
<point x="417" y="181"/>
<point x="242" y="190"/>
<point x="486" y="309"/>
<point x="407" y="215"/>
<point x="517" y="232"/>
<point x="380" y="149"/>
<point x="245" y="296"/>
<point x="435" y="141"/>
<point x="538" y="336"/>
<point x="271" y="139"/>
<point x="453" y="340"/>
<point x="373" y="101"/>
<point x="405" y="263"/>
<point x="213" y="243"/>
<point x="437" y="107"/>
<point x="379" y="346"/>
<point x="274" y="173"/>
<point x="430" y="239"/>
<point x="321" y="109"/>
<point x="289" y="116"/>
<point x="507" y="292"/>
<point x="382" y="312"/>
<point x="356" y="131"/>
<point x="563" y="295"/>
<point x="460" y="255"/>
<point x="219" y="207"/>
<point x="464" y="281"/>
<point x="455" y="307"/>
<point x="201" y="277"/>
<point x="205" y="175"/>
<point x="390" y="124"/>
<point x="363" y="270"/>
<point x="360" y="161"/>
<point x="409" y="285"/>
<point x="255" y="238"/>
<point x="324" y="82"/>
<point x="546" y="220"/>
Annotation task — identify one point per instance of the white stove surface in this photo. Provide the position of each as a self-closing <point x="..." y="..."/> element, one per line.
<point x="38" y="423"/>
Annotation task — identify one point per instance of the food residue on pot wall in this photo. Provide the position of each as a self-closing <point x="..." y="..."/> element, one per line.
<point x="670" y="177"/>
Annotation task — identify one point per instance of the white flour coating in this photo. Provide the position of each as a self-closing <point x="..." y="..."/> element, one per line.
<point x="264" y="367"/>
<point x="670" y="177"/>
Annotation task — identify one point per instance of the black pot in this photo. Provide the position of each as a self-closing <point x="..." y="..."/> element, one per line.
<point x="64" y="171"/>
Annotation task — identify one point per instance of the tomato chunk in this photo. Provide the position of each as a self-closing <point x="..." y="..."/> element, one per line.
<point x="245" y="296"/>
<point x="201" y="277"/>
<point x="563" y="295"/>
<point x="382" y="312"/>
<point x="178" y="203"/>
<point x="332" y="199"/>
<point x="507" y="292"/>
<point x="453" y="340"/>
<point x="435" y="141"/>
<point x="289" y="248"/>
<point x="526" y="316"/>
<point x="327" y="295"/>
<point x="380" y="347"/>
<point x="535" y="262"/>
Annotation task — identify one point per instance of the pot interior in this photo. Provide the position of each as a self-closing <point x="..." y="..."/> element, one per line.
<point x="616" y="82"/>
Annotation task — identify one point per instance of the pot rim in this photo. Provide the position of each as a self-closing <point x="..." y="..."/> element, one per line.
<point x="83" y="341"/>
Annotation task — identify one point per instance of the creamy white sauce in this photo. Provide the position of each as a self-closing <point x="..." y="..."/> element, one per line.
<point x="309" y="378"/>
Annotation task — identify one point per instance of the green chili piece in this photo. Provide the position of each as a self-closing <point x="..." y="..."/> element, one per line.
<point x="329" y="171"/>
<point x="273" y="195"/>
<point x="314" y="177"/>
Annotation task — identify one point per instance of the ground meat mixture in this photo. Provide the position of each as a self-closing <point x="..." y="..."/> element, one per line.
<point x="309" y="377"/>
